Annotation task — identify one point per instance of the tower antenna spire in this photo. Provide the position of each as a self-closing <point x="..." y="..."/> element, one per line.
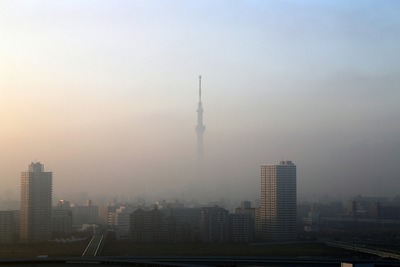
<point x="200" y="88"/>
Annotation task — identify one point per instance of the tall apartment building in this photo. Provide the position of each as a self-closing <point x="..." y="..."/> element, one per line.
<point x="36" y="197"/>
<point x="278" y="202"/>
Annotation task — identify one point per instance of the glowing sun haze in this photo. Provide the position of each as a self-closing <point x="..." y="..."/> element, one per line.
<point x="104" y="93"/>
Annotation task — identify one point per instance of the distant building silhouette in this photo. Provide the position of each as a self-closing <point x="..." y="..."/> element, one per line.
<point x="200" y="127"/>
<point x="8" y="227"/>
<point x="241" y="228"/>
<point x="147" y="226"/>
<point x="187" y="222"/>
<point x="61" y="223"/>
<point x="36" y="197"/>
<point x="121" y="221"/>
<point x="277" y="213"/>
<point x="214" y="225"/>
<point x="249" y="214"/>
<point x="81" y="215"/>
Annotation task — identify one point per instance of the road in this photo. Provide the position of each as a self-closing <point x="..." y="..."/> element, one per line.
<point x="94" y="247"/>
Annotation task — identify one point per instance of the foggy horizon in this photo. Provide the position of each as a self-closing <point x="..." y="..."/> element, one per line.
<point x="104" y="94"/>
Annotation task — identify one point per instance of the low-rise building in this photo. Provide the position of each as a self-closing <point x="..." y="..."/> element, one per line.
<point x="214" y="225"/>
<point x="8" y="227"/>
<point x="61" y="222"/>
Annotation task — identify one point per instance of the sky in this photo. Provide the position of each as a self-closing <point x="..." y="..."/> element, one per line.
<point x="104" y="93"/>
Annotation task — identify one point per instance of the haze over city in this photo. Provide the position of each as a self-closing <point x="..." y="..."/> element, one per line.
<point x="104" y="93"/>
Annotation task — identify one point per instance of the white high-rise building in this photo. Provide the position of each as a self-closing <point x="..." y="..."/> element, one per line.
<point x="278" y="202"/>
<point x="36" y="197"/>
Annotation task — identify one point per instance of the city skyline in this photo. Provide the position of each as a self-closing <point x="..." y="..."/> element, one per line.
<point x="104" y="93"/>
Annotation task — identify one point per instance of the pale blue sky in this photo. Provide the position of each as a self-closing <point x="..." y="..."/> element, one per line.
<point x="106" y="90"/>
